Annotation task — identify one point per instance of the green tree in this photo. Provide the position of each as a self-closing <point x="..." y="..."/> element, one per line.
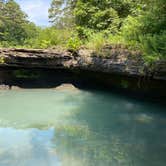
<point x="2" y="18"/>
<point x="93" y="14"/>
<point x="14" y="26"/>
<point x="61" y="13"/>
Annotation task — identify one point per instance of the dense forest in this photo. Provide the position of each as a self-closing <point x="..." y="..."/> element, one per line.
<point x="134" y="24"/>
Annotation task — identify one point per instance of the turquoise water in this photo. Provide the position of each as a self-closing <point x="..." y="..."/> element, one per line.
<point x="80" y="128"/>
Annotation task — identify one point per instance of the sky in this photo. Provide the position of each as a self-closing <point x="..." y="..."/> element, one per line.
<point x="37" y="10"/>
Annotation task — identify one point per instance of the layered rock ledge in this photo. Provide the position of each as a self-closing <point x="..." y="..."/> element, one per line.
<point x="118" y="61"/>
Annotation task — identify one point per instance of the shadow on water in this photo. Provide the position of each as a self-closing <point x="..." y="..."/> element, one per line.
<point x="139" y="88"/>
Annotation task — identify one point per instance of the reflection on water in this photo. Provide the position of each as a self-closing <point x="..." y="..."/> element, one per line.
<point x="30" y="147"/>
<point x="79" y="128"/>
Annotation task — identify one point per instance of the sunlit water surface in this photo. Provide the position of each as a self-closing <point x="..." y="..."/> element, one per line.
<point x="80" y="128"/>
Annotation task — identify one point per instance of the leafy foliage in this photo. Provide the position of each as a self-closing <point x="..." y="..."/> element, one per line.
<point x="73" y="43"/>
<point x="14" y="27"/>
<point x="138" y="24"/>
<point x="61" y="14"/>
<point x="90" y="15"/>
<point x="48" y="37"/>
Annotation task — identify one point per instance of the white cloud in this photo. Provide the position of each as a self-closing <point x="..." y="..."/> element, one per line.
<point x="37" y="10"/>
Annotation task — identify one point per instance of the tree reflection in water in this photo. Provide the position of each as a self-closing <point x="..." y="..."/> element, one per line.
<point x="77" y="128"/>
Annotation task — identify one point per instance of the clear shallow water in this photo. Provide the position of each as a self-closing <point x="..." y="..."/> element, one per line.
<point x="79" y="128"/>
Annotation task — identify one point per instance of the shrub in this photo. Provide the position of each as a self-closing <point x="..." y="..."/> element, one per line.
<point x="84" y="33"/>
<point x="131" y="28"/>
<point x="153" y="45"/>
<point x="74" y="43"/>
<point x="96" y="41"/>
<point x="49" y="37"/>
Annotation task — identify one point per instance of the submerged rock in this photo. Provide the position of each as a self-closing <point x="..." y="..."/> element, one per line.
<point x="15" y="88"/>
<point x="4" y="87"/>
<point x="66" y="87"/>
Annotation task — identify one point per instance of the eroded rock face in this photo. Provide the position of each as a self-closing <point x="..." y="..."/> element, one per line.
<point x="118" y="61"/>
<point x="36" y="58"/>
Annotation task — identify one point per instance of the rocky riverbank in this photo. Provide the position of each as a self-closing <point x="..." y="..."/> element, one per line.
<point x="112" y="61"/>
<point x="111" y="67"/>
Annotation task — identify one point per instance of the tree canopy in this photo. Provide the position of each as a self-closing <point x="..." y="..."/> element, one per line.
<point x="14" y="26"/>
<point x="137" y="24"/>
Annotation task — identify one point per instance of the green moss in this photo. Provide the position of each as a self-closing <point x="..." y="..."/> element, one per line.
<point x="124" y="84"/>
<point x="26" y="74"/>
<point x="2" y="60"/>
